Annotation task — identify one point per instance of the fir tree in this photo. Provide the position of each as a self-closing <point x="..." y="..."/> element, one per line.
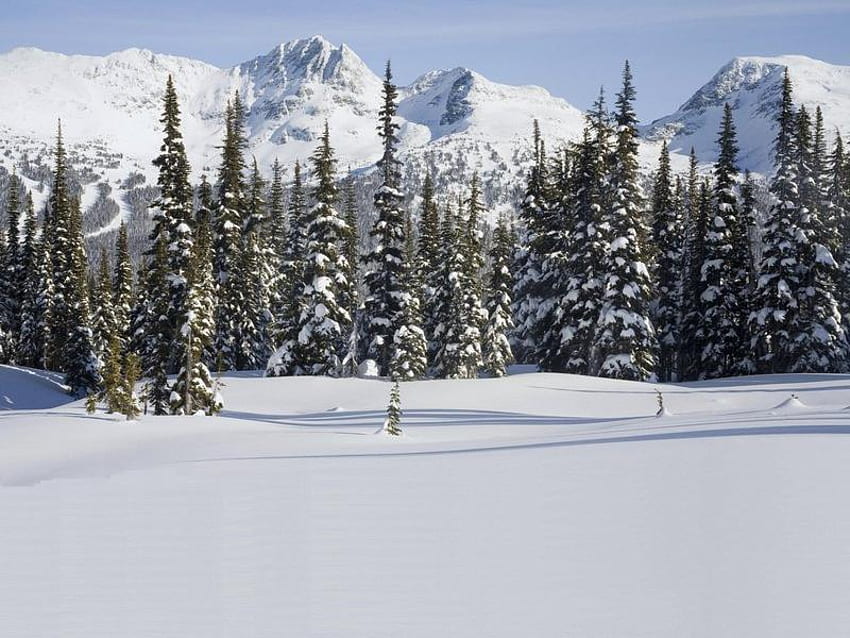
<point x="352" y="257"/>
<point x="323" y="322"/>
<point x="228" y="227"/>
<point x="721" y="273"/>
<point x="385" y="263"/>
<point x="37" y="300"/>
<point x="291" y="284"/>
<point x="392" y="424"/>
<point x="103" y="312"/>
<point x="195" y="389"/>
<point x="13" y="274"/>
<point x="429" y="265"/>
<point x="496" y="347"/>
<point x="625" y="343"/>
<point x="667" y="237"/>
<point x="122" y="289"/>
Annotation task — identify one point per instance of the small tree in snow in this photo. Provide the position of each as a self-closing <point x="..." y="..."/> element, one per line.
<point x="392" y="424"/>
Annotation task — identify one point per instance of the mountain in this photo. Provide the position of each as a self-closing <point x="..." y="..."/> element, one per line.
<point x="753" y="86"/>
<point x="452" y="121"/>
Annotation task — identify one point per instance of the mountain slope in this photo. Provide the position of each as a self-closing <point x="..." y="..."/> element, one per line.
<point x="752" y="85"/>
<point x="451" y="121"/>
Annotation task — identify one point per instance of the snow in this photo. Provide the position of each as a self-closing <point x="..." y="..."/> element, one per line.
<point x="751" y="85"/>
<point x="534" y="504"/>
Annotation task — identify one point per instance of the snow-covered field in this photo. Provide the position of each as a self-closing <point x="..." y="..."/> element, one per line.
<point x="537" y="505"/>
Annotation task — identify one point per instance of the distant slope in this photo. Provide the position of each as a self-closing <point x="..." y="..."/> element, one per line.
<point x="752" y="85"/>
<point x="25" y="389"/>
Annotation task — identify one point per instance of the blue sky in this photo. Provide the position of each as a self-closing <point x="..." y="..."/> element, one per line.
<point x="571" y="48"/>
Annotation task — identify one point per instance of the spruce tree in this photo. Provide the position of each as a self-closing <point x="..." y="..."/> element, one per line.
<point x="103" y="311"/>
<point x="529" y="289"/>
<point x="723" y="273"/>
<point x="284" y="362"/>
<point x="383" y="304"/>
<point x="122" y="289"/>
<point x="392" y="424"/>
<point x="37" y="301"/>
<point x="323" y="322"/>
<point x="428" y="262"/>
<point x="228" y="228"/>
<point x="13" y="274"/>
<point x="625" y="344"/>
<point x="195" y="389"/>
<point x="352" y="259"/>
<point x="775" y="319"/>
<point x="667" y="238"/>
<point x="496" y="347"/>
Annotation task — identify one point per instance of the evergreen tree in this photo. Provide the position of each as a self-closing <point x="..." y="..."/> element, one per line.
<point x="721" y="275"/>
<point x="534" y="247"/>
<point x="284" y="362"/>
<point x="385" y="263"/>
<point x="775" y="319"/>
<point x="194" y="389"/>
<point x="496" y="347"/>
<point x="428" y="261"/>
<point x="37" y="298"/>
<point x="228" y="227"/>
<point x="82" y="365"/>
<point x="693" y="256"/>
<point x="392" y="424"/>
<point x="172" y="214"/>
<point x="122" y="289"/>
<point x="667" y="237"/>
<point x="625" y="343"/>
<point x="323" y="323"/>
<point x="12" y="274"/>
<point x="821" y="343"/>
<point x="103" y="312"/>
<point x="352" y="258"/>
<point x="257" y="273"/>
<point x="582" y="250"/>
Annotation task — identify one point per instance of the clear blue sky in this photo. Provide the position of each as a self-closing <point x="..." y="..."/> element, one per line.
<point x="571" y="48"/>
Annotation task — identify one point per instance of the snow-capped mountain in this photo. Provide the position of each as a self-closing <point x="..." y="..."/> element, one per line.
<point x="753" y="86"/>
<point x="110" y="108"/>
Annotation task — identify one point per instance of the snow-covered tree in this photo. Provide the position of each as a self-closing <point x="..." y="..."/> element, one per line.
<point x="625" y="344"/>
<point x="496" y="347"/>
<point x="392" y="424"/>
<point x="323" y="322"/>
<point x="667" y="237"/>
<point x="721" y="286"/>
<point x="228" y="227"/>
<point x="384" y="276"/>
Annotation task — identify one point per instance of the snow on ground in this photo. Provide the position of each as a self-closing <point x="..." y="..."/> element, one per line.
<point x="535" y="505"/>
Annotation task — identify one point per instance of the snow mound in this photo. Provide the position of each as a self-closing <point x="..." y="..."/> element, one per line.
<point x="790" y="404"/>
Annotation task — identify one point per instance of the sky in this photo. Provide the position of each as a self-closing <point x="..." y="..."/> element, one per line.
<point x="570" y="48"/>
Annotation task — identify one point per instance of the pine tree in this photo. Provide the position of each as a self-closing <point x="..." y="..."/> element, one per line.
<point x="82" y="365"/>
<point x="775" y="319"/>
<point x="132" y="372"/>
<point x="428" y="262"/>
<point x="37" y="299"/>
<point x="323" y="323"/>
<point x="535" y="235"/>
<point x="625" y="344"/>
<point x="152" y="335"/>
<point x="721" y="276"/>
<point x="172" y="214"/>
<point x="122" y="289"/>
<point x="667" y="237"/>
<point x="496" y="347"/>
<point x="195" y="389"/>
<point x="351" y="251"/>
<point x="821" y="344"/>
<point x="103" y="312"/>
<point x="12" y="274"/>
<point x="838" y="217"/>
<point x="284" y="362"/>
<point x="392" y="424"/>
<point x="569" y="342"/>
<point x="257" y="273"/>
<point x="385" y="263"/>
<point x="693" y="255"/>
<point x="228" y="227"/>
